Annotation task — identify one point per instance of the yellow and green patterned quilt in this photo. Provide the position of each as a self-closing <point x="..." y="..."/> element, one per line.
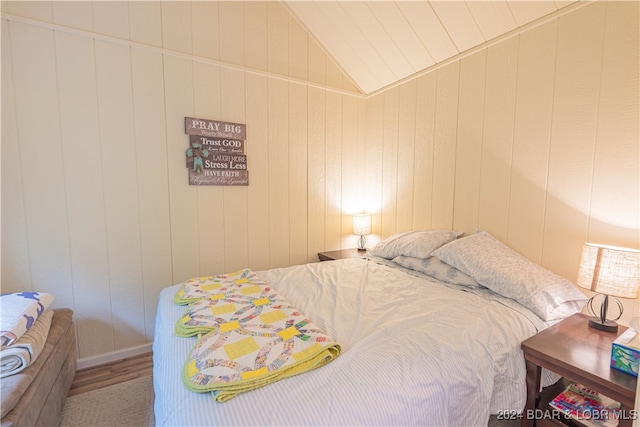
<point x="248" y="335"/>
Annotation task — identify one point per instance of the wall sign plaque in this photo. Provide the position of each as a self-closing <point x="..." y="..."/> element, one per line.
<point x="218" y="144"/>
<point x="214" y="128"/>
<point x="216" y="152"/>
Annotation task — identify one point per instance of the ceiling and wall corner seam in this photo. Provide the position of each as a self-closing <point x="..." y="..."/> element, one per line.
<point x="324" y="50"/>
<point x="177" y="54"/>
<point x="513" y="33"/>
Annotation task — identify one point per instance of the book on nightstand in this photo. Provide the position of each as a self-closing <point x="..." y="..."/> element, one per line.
<point x="587" y="406"/>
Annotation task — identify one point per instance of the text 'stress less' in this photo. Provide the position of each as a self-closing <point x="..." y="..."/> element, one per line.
<point x="216" y="152"/>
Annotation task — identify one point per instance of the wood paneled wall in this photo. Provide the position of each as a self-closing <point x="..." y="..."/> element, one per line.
<point x="534" y="139"/>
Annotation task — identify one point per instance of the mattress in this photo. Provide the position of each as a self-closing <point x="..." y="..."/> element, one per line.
<point x="416" y="351"/>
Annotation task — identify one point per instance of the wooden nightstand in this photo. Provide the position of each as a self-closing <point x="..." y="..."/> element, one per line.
<point x="581" y="354"/>
<point x="341" y="254"/>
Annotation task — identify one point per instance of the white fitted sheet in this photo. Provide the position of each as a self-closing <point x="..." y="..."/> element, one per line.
<point x="415" y="352"/>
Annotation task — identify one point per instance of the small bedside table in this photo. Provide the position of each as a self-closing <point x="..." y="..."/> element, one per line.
<point x="341" y="254"/>
<point x="581" y="354"/>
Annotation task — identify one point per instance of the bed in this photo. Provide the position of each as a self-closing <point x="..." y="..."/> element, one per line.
<point x="424" y="341"/>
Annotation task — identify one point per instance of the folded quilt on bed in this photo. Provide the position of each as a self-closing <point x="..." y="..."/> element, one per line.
<point x="197" y="288"/>
<point x="252" y="338"/>
<point x="19" y="312"/>
<point x="18" y="356"/>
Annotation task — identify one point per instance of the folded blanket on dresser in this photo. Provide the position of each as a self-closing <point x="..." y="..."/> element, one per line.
<point x="252" y="336"/>
<point x="19" y="312"/>
<point x="27" y="348"/>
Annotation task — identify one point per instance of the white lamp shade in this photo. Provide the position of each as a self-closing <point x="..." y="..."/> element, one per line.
<point x="610" y="270"/>
<point x="362" y="225"/>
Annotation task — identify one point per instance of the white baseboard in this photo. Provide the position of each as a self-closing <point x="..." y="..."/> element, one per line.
<point x="100" y="359"/>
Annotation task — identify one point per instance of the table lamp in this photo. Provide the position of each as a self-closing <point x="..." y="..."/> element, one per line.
<point x="611" y="272"/>
<point x="361" y="228"/>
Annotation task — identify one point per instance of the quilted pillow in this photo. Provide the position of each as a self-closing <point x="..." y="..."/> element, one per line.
<point x="504" y="271"/>
<point x="436" y="268"/>
<point x="417" y="244"/>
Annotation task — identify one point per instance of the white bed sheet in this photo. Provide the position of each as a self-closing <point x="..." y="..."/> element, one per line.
<point x="415" y="352"/>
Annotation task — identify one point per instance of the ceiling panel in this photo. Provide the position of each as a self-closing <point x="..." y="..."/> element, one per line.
<point x="326" y="34"/>
<point x="493" y="17"/>
<point x="397" y="26"/>
<point x="427" y="25"/>
<point x="459" y="23"/>
<point x="357" y="41"/>
<point x="528" y="11"/>
<point x="378" y="43"/>
<point x="379" y="38"/>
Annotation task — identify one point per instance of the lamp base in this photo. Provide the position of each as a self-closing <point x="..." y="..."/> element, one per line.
<point x="607" y="325"/>
<point x="601" y="322"/>
<point x="362" y="243"/>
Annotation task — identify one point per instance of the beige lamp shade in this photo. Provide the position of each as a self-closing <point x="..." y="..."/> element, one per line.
<point x="362" y="224"/>
<point x="610" y="270"/>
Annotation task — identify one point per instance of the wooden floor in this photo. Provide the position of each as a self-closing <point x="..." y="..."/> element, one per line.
<point x="112" y="373"/>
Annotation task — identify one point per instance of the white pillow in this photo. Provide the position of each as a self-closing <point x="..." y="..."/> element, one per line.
<point x="436" y="268"/>
<point x="504" y="271"/>
<point x="418" y="244"/>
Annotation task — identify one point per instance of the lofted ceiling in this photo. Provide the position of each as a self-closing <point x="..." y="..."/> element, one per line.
<point x="378" y="43"/>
